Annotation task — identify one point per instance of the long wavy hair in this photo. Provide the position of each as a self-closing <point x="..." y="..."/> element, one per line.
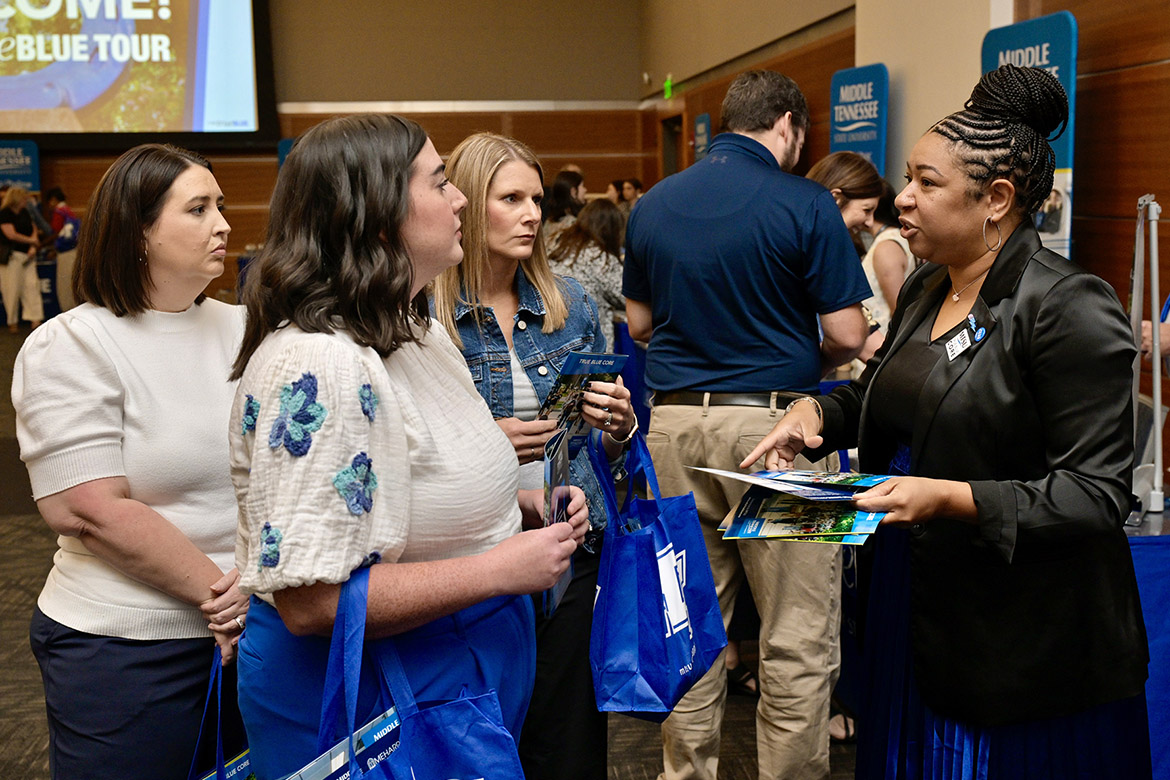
<point x="334" y="257"/>
<point x="471" y="168"/>
<point x="599" y="224"/>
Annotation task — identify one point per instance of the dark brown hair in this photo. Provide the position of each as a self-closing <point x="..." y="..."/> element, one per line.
<point x="848" y="172"/>
<point x="600" y="223"/>
<point x="757" y="98"/>
<point x="1004" y="129"/>
<point x="334" y="258"/>
<point x="111" y="271"/>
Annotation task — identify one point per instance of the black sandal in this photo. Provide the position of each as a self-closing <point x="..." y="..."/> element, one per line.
<point x="850" y="730"/>
<point x="741" y="681"/>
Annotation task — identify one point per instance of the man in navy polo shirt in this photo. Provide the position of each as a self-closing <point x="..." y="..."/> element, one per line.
<point x="729" y="266"/>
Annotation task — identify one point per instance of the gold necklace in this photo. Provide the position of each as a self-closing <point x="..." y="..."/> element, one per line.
<point x="957" y="293"/>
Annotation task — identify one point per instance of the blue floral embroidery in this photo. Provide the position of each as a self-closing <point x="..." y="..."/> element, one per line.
<point x="270" y="539"/>
<point x="300" y="415"/>
<point x="251" y="413"/>
<point x="370" y="560"/>
<point x="369" y="401"/>
<point x="356" y="484"/>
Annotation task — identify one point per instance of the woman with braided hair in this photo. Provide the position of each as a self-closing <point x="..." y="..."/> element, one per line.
<point x="1004" y="637"/>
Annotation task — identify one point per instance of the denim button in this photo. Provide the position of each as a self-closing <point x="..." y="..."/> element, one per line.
<point x="542" y="370"/>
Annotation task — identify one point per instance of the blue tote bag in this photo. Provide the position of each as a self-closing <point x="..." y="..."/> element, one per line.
<point x="656" y="622"/>
<point x="459" y="739"/>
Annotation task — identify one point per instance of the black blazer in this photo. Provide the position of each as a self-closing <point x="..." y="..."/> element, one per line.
<point x="1033" y="612"/>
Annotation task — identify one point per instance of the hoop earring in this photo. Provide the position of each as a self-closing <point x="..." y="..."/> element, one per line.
<point x="998" y="236"/>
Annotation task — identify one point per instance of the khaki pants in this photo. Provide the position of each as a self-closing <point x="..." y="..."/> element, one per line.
<point x="20" y="289"/>
<point x="797" y="588"/>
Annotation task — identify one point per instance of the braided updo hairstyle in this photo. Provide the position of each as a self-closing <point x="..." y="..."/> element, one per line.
<point x="1004" y="129"/>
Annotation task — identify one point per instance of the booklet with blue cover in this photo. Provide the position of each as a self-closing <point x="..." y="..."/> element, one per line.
<point x="806" y="506"/>
<point x="566" y="398"/>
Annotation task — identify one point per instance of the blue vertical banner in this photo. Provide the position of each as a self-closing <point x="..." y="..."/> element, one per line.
<point x="20" y="164"/>
<point x="1048" y="42"/>
<point x="702" y="135"/>
<point x="860" y="110"/>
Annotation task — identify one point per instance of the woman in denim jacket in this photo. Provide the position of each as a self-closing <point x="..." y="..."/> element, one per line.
<point x="515" y="322"/>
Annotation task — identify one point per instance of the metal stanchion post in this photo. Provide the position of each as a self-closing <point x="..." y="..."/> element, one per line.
<point x="1148" y="478"/>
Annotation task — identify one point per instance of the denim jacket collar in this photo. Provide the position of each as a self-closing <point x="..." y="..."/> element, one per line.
<point x="530" y="298"/>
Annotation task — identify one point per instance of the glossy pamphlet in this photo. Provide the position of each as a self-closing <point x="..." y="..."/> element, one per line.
<point x="805" y="506"/>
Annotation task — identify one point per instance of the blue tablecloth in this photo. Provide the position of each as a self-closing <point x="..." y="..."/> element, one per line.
<point x="1151" y="561"/>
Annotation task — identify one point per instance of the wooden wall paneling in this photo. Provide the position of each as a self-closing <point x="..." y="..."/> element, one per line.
<point x="1104" y="246"/>
<point x="445" y="129"/>
<point x="245" y="179"/>
<point x="650" y="171"/>
<point x="599" y="170"/>
<point x="1117" y="34"/>
<point x="812" y="68"/>
<point x="576" y="131"/>
<point x="249" y="224"/>
<point x="1121" y="151"/>
<point x="77" y="176"/>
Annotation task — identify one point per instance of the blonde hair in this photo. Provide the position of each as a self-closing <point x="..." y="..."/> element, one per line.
<point x="471" y="168"/>
<point x="14" y="197"/>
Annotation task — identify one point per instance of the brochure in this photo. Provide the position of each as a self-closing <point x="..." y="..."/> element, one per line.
<point x="809" y="485"/>
<point x="372" y="744"/>
<point x="556" y="506"/>
<point x="566" y="398"/>
<point x="767" y="514"/>
<point x="804" y="506"/>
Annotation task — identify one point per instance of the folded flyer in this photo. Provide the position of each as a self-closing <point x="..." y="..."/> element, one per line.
<point x="809" y="485"/>
<point x="767" y="514"/>
<point x="805" y="506"/>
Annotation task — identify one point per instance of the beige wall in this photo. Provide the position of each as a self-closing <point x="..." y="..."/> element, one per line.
<point x="687" y="37"/>
<point x="361" y="50"/>
<point x="932" y="49"/>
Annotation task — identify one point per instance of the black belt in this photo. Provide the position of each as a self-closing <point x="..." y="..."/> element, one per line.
<point x="692" y="398"/>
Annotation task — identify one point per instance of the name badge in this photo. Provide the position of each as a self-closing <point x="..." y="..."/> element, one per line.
<point x="959" y="344"/>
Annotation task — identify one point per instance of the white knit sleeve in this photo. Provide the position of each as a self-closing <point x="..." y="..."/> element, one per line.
<point x="68" y="398"/>
<point x="319" y="460"/>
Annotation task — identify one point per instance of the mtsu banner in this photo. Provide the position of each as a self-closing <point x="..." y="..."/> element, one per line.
<point x="860" y="104"/>
<point x="20" y="165"/>
<point x="1050" y="43"/>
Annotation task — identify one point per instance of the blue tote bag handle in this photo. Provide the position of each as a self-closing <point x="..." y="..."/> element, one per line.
<point x="343" y="673"/>
<point x="639" y="466"/>
<point x="215" y="685"/>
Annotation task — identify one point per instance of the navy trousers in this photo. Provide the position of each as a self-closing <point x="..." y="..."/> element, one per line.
<point x="123" y="708"/>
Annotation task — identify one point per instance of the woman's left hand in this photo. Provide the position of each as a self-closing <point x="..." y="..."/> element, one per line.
<point x="607" y="408"/>
<point x="532" y="511"/>
<point x="910" y="500"/>
<point x="578" y="511"/>
<point x="227" y="604"/>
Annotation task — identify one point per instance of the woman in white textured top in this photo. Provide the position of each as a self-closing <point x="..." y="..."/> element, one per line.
<point x="887" y="263"/>
<point x="122" y="406"/>
<point x="358" y="440"/>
